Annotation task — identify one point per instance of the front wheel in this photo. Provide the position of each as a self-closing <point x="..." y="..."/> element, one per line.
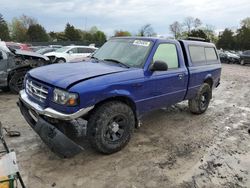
<point x="16" y="81"/>
<point x="110" y="127"/>
<point x="61" y="60"/>
<point x="200" y="103"/>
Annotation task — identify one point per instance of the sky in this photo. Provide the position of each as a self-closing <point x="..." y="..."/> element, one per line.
<point x="111" y="15"/>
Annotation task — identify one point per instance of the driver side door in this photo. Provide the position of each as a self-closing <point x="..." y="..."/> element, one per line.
<point x="168" y="87"/>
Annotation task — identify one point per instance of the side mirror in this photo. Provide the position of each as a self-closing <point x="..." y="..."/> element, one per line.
<point x="1" y="55"/>
<point x="159" y="66"/>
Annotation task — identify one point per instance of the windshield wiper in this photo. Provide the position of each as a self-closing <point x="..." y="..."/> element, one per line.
<point x="118" y="62"/>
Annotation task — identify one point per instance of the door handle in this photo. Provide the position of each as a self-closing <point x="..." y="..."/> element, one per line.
<point x="181" y="76"/>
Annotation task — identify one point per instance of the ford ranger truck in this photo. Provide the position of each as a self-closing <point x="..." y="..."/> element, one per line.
<point x="105" y="96"/>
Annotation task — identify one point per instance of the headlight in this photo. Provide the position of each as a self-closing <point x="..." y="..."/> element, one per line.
<point x="65" y="98"/>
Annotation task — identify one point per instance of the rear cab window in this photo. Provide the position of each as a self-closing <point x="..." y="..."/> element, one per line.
<point x="202" y="55"/>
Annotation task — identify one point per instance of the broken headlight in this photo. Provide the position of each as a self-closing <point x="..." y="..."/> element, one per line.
<point x="65" y="98"/>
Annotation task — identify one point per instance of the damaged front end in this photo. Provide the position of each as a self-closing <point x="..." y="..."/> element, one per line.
<point x="51" y="130"/>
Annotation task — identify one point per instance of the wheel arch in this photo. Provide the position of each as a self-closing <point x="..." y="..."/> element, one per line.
<point x="121" y="98"/>
<point x="209" y="81"/>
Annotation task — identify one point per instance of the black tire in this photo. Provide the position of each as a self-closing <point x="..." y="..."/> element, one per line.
<point x="60" y="60"/>
<point x="200" y="103"/>
<point x="110" y="127"/>
<point x="16" y="81"/>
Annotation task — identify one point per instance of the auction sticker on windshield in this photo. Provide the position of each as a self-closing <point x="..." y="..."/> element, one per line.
<point x="141" y="43"/>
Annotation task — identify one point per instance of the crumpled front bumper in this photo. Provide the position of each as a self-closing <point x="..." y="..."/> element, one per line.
<point x="58" y="142"/>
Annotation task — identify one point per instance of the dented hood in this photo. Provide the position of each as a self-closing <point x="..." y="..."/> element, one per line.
<point x="66" y="74"/>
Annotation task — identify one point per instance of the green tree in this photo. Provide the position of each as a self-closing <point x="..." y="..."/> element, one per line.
<point x="246" y="22"/>
<point x="4" y="30"/>
<point x="18" y="30"/>
<point x="99" y="37"/>
<point x="71" y="33"/>
<point x="226" y="40"/>
<point x="120" y="33"/>
<point x="198" y="33"/>
<point x="86" y="36"/>
<point x="243" y="38"/>
<point x="19" y="27"/>
<point x="36" y="33"/>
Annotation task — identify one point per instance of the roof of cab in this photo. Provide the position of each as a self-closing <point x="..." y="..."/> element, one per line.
<point x="155" y="39"/>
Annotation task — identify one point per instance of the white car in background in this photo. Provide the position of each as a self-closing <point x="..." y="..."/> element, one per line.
<point x="69" y="53"/>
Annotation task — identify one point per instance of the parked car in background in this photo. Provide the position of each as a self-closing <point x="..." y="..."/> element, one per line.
<point x="14" y="64"/>
<point x="18" y="46"/>
<point x="45" y="50"/>
<point x="55" y="46"/>
<point x="229" y="57"/>
<point x="68" y="53"/>
<point x="245" y="57"/>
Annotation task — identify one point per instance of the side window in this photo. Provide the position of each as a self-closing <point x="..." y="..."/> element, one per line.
<point x="168" y="54"/>
<point x="210" y="54"/>
<point x="73" y="50"/>
<point x="82" y="50"/>
<point x="197" y="54"/>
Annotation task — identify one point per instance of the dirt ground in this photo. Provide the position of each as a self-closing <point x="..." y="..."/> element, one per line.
<point x="173" y="148"/>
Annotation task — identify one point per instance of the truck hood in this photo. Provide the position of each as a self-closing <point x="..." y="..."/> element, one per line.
<point x="65" y="75"/>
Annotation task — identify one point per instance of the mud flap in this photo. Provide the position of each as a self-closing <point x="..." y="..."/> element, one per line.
<point x="58" y="142"/>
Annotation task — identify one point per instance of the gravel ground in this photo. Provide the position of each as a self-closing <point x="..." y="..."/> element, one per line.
<point x="173" y="148"/>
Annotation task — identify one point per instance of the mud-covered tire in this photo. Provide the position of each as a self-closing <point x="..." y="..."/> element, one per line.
<point x="110" y="127"/>
<point x="200" y="102"/>
<point x="16" y="81"/>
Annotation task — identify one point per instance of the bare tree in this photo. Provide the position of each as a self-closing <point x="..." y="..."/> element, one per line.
<point x="176" y="29"/>
<point x="188" y="23"/>
<point x="27" y="21"/>
<point x="147" y="31"/>
<point x="197" y="23"/>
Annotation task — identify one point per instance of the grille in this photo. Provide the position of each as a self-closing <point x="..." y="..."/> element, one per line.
<point x="36" y="90"/>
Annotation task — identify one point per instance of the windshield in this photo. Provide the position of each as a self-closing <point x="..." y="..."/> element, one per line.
<point x="63" y="49"/>
<point x="131" y="52"/>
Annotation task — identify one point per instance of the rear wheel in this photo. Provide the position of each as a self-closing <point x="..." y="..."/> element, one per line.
<point x="16" y="81"/>
<point x="110" y="127"/>
<point x="200" y="103"/>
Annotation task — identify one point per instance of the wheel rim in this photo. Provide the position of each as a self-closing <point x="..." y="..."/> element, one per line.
<point x="19" y="83"/>
<point x="61" y="61"/>
<point x="204" y="100"/>
<point x="115" y="129"/>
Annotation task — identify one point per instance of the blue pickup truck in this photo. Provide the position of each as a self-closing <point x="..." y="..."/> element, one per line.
<point x="105" y="96"/>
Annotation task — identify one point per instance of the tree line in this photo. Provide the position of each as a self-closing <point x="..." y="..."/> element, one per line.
<point x="227" y="39"/>
<point x="27" y="29"/>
